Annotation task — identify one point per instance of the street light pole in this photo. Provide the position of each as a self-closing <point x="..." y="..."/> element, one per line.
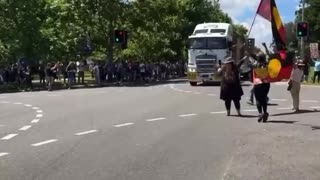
<point x="302" y="20"/>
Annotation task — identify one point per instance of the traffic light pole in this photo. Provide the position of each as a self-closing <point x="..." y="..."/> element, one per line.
<point x="302" y="38"/>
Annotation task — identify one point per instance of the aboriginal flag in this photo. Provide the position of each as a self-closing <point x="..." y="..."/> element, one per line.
<point x="268" y="10"/>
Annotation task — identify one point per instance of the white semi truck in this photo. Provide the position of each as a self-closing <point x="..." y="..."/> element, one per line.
<point x="209" y="44"/>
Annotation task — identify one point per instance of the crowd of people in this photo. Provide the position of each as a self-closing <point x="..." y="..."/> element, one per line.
<point x="72" y="72"/>
<point x="231" y="89"/>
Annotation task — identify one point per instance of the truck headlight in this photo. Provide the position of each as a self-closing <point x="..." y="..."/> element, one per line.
<point x="192" y="70"/>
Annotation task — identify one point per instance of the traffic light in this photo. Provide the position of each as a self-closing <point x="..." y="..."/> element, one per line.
<point x="250" y="43"/>
<point x="119" y="36"/>
<point x="302" y="29"/>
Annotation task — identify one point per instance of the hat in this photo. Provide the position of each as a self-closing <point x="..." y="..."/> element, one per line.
<point x="228" y="60"/>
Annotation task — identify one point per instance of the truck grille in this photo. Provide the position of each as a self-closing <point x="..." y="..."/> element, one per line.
<point x="206" y="63"/>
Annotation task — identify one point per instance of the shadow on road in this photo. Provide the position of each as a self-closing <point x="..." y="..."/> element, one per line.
<point x="300" y="112"/>
<point x="282" y="122"/>
<point x="244" y="116"/>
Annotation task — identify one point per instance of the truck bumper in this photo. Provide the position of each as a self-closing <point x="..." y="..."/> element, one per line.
<point x="203" y="77"/>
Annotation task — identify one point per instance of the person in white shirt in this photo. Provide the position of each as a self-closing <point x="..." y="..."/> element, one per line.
<point x="295" y="84"/>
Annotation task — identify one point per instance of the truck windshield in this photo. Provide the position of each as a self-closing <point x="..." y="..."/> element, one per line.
<point x="208" y="43"/>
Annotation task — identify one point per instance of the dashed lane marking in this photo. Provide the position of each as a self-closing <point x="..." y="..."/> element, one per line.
<point x="284" y="108"/>
<point x="86" y="132"/>
<point x="315" y="107"/>
<point x="35" y="108"/>
<point x="39" y="111"/>
<point x="18" y="103"/>
<point x="187" y="91"/>
<point x="122" y="125"/>
<point x="24" y="128"/>
<point x="28" y="105"/>
<point x="39" y="115"/>
<point x="3" y="154"/>
<point x="35" y="121"/>
<point x="283" y="100"/>
<point x="219" y="112"/>
<point x="310" y="101"/>
<point x="44" y="142"/>
<point x="155" y="119"/>
<point x="4" y="102"/>
<point x="187" y="115"/>
<point x="9" y="136"/>
<point x="196" y="93"/>
<point x="211" y="94"/>
<point x="250" y="110"/>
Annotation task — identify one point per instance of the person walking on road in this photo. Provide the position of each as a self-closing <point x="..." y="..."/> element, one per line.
<point x="295" y="84"/>
<point x="316" y="71"/>
<point x="261" y="89"/>
<point x="231" y="89"/>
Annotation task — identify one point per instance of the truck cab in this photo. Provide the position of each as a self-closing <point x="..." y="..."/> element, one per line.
<point x="208" y="46"/>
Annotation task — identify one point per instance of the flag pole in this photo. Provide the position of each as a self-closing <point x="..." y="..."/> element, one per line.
<point x="254" y="19"/>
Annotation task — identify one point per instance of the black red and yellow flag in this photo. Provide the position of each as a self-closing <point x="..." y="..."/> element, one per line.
<point x="280" y="64"/>
<point x="268" y="10"/>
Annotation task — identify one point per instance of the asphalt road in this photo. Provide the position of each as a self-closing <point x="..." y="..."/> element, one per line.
<point x="159" y="132"/>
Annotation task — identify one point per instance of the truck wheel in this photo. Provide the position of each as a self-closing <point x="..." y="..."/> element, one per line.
<point x="193" y="83"/>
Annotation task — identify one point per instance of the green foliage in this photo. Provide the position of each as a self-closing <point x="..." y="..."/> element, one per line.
<point x="53" y="30"/>
<point x="312" y="16"/>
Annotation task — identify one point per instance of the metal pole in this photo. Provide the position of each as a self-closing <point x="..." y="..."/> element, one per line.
<point x="302" y="38"/>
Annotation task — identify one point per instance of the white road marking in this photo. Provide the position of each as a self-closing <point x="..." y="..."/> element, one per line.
<point x="279" y="100"/>
<point x="219" y="112"/>
<point x="39" y="115"/>
<point x="44" y="142"/>
<point x="35" y="121"/>
<point x="3" y="154"/>
<point x="187" y="91"/>
<point x="122" y="125"/>
<point x="18" y="103"/>
<point x="250" y="110"/>
<point x="187" y="115"/>
<point x="9" y="136"/>
<point x="310" y="101"/>
<point x="39" y="111"/>
<point x="28" y="105"/>
<point x="212" y="95"/>
<point x="24" y="128"/>
<point x="35" y="108"/>
<point x="197" y="93"/>
<point x="4" y="102"/>
<point x="1" y="125"/>
<point x="3" y="97"/>
<point x="284" y="108"/>
<point x="54" y="95"/>
<point x="315" y="107"/>
<point x="155" y="119"/>
<point x="86" y="132"/>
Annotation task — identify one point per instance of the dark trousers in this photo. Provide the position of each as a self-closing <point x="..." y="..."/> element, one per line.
<point x="81" y="77"/>
<point x="261" y="93"/>
<point x="228" y="104"/>
<point x="316" y="75"/>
